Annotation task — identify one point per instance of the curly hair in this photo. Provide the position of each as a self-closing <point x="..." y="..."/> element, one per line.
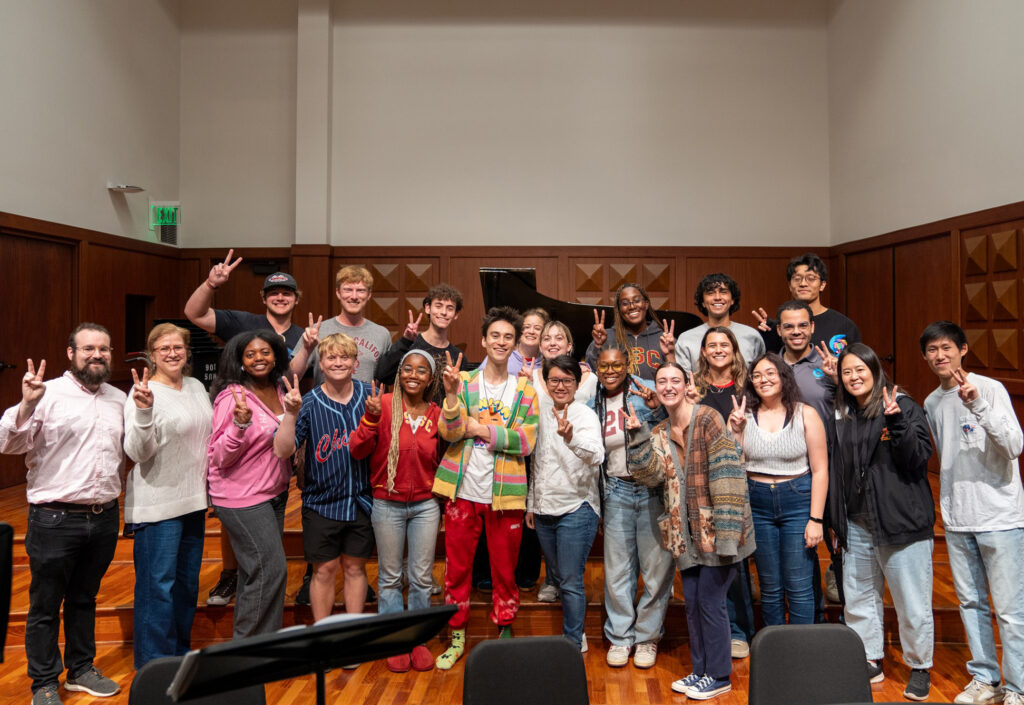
<point x="712" y="282"/>
<point x="230" y="370"/>
<point x="502" y="313"/>
<point x="790" y="391"/>
<point x="737" y="371"/>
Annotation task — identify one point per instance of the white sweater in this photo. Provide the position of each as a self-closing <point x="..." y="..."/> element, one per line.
<point x="564" y="475"/>
<point x="980" y="487"/>
<point x="168" y="444"/>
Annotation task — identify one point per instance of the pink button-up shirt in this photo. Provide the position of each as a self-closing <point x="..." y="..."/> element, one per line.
<point x="72" y="443"/>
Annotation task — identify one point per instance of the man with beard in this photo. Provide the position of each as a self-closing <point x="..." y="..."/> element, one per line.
<point x="70" y="429"/>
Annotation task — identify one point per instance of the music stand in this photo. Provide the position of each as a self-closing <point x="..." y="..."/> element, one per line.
<point x="302" y="650"/>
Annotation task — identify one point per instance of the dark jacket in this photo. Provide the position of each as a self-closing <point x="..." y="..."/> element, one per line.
<point x="897" y="497"/>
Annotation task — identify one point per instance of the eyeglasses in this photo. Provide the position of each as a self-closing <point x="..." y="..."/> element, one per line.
<point x="561" y="381"/>
<point x="92" y="349"/>
<point x="165" y="350"/>
<point x="635" y="302"/>
<point x="758" y="376"/>
<point x="611" y="366"/>
<point x="805" y="278"/>
<point x="410" y="370"/>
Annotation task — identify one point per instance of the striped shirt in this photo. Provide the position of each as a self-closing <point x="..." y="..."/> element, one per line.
<point x="335" y="482"/>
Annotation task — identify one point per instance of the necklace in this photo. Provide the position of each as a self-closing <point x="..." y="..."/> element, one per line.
<point x="492" y="404"/>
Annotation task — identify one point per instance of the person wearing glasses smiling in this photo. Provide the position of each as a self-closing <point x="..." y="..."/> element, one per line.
<point x="167" y="425"/>
<point x="636" y="330"/>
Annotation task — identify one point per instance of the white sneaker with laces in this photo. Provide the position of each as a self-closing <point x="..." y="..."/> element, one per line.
<point x="646" y="654"/>
<point x="583" y="644"/>
<point x="618" y="655"/>
<point x="1012" y="697"/>
<point x="979" y="693"/>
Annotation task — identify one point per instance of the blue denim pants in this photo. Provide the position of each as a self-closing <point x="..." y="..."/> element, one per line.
<point x="566" y="541"/>
<point x="168" y="555"/>
<point x="707" y="619"/>
<point x="632" y="549"/>
<point x="785" y="567"/>
<point x="907" y="568"/>
<point x="987" y="562"/>
<point x="395" y="523"/>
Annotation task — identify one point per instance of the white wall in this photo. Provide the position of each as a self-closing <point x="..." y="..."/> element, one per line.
<point x="664" y="123"/>
<point x="90" y="94"/>
<point x="238" y="122"/>
<point x="926" y="111"/>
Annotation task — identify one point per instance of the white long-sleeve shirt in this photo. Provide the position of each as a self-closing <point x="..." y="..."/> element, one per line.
<point x="168" y="442"/>
<point x="71" y="442"/>
<point x="564" y="475"/>
<point x="979" y="443"/>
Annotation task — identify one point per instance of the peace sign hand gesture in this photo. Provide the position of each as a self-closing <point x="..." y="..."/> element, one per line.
<point x="762" y="319"/>
<point x="373" y="402"/>
<point x="564" y="425"/>
<point x="645" y="393"/>
<point x="451" y="377"/>
<point x="527" y="370"/>
<point x="829" y="362"/>
<point x="599" y="334"/>
<point x="293" y="397"/>
<point x="221" y="272"/>
<point x="632" y="421"/>
<point x="967" y="391"/>
<point x="242" y="414"/>
<point x="738" y="417"/>
<point x="889" y="405"/>
<point x="667" y="341"/>
<point x="413" y="329"/>
<point x="142" y="395"/>
<point x="311" y="336"/>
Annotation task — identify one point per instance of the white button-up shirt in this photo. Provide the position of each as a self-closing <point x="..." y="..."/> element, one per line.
<point x="565" y="475"/>
<point x="72" y="443"/>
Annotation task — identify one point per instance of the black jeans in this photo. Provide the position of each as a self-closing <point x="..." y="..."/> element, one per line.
<point x="68" y="551"/>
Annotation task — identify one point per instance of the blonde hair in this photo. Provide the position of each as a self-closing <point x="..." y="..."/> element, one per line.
<point x="398" y="413"/>
<point x="337" y="342"/>
<point x="353" y="273"/>
<point x="159" y="331"/>
<point x="562" y="327"/>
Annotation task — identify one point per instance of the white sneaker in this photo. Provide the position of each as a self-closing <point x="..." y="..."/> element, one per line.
<point x="618" y="655"/>
<point x="979" y="693"/>
<point x="547" y="593"/>
<point x="646" y="654"/>
<point x="583" y="645"/>
<point x="740" y="648"/>
<point x="1012" y="697"/>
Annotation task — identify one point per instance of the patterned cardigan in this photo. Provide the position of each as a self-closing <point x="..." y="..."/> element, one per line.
<point x="509" y="443"/>
<point x="716" y="514"/>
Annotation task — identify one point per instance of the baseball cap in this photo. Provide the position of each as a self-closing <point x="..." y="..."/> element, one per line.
<point x="280" y="280"/>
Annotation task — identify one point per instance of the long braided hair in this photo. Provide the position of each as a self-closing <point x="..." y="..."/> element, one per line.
<point x="398" y="411"/>
<point x="600" y="406"/>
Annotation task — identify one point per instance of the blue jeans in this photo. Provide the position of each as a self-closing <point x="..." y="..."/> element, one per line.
<point x="785" y="567"/>
<point x="990" y="562"/>
<point x="632" y="548"/>
<point x="255" y="534"/>
<point x="168" y="555"/>
<point x="907" y="568"/>
<point x="393" y="524"/>
<point x="68" y="553"/>
<point x="566" y="541"/>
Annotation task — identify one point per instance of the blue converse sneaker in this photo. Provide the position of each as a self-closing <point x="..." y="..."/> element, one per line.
<point x="708" y="687"/>
<point x="683" y="685"/>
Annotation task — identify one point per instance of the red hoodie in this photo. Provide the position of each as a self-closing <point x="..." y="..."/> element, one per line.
<point x="419" y="453"/>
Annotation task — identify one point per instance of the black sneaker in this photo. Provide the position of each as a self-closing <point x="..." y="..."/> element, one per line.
<point x="224" y="590"/>
<point x="371" y="596"/>
<point x="302" y="596"/>
<point x="875" y="674"/>
<point x="918" y="686"/>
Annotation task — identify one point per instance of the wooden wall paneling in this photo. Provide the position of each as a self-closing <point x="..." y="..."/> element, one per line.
<point x="762" y="281"/>
<point x="244" y="291"/>
<point x="41" y="274"/>
<point x="311" y="267"/>
<point x="869" y="300"/>
<point x="594" y="278"/>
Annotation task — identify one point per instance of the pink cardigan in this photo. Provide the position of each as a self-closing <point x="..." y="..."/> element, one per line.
<point x="243" y="469"/>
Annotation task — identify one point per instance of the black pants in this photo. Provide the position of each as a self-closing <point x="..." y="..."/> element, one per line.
<point x="69" y="552"/>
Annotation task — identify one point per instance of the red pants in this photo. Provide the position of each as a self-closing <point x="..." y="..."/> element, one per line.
<point x="463" y="521"/>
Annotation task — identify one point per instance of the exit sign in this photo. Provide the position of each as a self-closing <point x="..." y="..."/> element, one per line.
<point x="164" y="213"/>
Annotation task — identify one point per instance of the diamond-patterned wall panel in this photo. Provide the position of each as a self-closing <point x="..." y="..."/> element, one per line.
<point x="385" y="277"/>
<point x="660" y="303"/>
<point x="1004" y="352"/>
<point x="590" y="300"/>
<point x="589" y="277"/>
<point x="657" y="277"/>
<point x="976" y="254"/>
<point x="1004" y="297"/>
<point x="977" y="348"/>
<point x="976" y="296"/>
<point x="419" y="277"/>
<point x="1004" y="247"/>
<point x="619" y="274"/>
<point x="387" y="311"/>
<point x="415" y="304"/>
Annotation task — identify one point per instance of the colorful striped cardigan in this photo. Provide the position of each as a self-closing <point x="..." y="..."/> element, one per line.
<point x="509" y="443"/>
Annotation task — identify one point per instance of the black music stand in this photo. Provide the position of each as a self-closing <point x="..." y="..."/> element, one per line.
<point x="331" y="643"/>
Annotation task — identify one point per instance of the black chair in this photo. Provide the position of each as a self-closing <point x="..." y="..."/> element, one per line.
<point x="543" y="670"/>
<point x="808" y="664"/>
<point x="151" y="682"/>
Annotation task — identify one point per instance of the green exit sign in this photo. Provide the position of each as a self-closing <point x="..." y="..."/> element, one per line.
<point x="168" y="213"/>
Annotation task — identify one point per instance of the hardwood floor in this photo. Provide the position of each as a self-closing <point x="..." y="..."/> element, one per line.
<point x="373" y="683"/>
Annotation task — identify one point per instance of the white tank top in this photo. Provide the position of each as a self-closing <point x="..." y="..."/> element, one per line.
<point x="783" y="453"/>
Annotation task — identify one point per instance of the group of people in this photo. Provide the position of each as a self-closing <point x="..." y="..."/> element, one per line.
<point x="697" y="453"/>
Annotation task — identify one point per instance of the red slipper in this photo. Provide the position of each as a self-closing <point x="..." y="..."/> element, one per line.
<point x="422" y="660"/>
<point x="398" y="664"/>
